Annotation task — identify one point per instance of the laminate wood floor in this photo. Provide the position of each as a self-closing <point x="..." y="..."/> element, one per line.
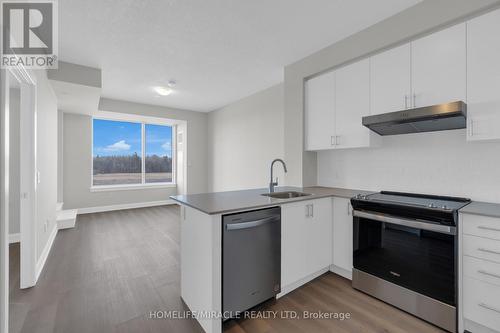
<point x="110" y="271"/>
<point x="106" y="275"/>
<point x="331" y="293"/>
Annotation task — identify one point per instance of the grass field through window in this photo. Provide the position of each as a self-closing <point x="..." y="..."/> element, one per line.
<point x="131" y="178"/>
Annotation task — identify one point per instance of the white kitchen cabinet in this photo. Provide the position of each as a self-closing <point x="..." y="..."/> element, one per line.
<point x="342" y="237"/>
<point x="335" y="104"/>
<point x="483" y="77"/>
<point x="479" y="273"/>
<point x="319" y="231"/>
<point x="293" y="242"/>
<point x="320" y="111"/>
<point x="390" y="80"/>
<point x="306" y="229"/>
<point x="428" y="71"/>
<point x="439" y="67"/>
<point x="352" y="102"/>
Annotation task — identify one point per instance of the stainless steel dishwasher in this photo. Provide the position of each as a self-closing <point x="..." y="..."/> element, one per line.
<point x="251" y="258"/>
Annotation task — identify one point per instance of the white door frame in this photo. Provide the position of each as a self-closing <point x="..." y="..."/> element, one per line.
<point x="28" y="177"/>
<point x="27" y="81"/>
<point x="4" y="201"/>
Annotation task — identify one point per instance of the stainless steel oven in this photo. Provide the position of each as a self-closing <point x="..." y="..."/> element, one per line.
<point x="404" y="252"/>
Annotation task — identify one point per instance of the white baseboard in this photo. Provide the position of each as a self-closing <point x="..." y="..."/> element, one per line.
<point x="100" y="209"/>
<point x="341" y="271"/>
<point x="292" y="286"/>
<point x="66" y="219"/>
<point x="14" y="238"/>
<point x="45" y="253"/>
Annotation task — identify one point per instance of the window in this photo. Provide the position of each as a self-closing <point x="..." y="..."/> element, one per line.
<point x="158" y="154"/>
<point x="131" y="153"/>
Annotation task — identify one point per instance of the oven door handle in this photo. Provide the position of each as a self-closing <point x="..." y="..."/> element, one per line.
<point x="443" y="229"/>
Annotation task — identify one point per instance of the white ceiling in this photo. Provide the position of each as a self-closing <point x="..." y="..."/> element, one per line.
<point x="218" y="51"/>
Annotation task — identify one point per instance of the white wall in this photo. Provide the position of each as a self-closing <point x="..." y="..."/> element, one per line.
<point x="60" y="161"/>
<point x="77" y="155"/>
<point x="46" y="159"/>
<point x="243" y="138"/>
<point x="14" y="183"/>
<point x="434" y="163"/>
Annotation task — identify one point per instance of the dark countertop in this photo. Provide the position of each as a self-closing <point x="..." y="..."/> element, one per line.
<point x="482" y="208"/>
<point x="232" y="201"/>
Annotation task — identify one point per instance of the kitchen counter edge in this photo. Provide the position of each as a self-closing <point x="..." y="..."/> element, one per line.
<point x="203" y="201"/>
<point x="482" y="208"/>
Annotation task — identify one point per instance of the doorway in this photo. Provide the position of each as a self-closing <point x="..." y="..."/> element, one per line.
<point x="18" y="186"/>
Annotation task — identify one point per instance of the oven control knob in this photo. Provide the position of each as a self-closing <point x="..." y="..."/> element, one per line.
<point x="431" y="205"/>
<point x="444" y="207"/>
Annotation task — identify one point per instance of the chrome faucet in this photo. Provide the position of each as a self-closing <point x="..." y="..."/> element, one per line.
<point x="272" y="184"/>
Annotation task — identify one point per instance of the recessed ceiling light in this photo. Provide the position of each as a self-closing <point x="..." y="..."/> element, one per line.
<point x="163" y="91"/>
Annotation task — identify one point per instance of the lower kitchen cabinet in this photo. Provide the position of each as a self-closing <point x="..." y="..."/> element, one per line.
<point x="479" y="273"/>
<point x="342" y="237"/>
<point x="306" y="233"/>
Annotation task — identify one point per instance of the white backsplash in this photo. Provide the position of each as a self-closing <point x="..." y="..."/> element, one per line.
<point x="433" y="163"/>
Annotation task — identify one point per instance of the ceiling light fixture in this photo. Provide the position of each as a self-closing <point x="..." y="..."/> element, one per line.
<point x="163" y="91"/>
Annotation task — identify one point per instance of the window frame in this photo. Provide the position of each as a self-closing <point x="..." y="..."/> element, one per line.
<point x="143" y="121"/>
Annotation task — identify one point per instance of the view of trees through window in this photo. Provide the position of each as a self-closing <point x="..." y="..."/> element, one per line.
<point x="118" y="153"/>
<point x="158" y="154"/>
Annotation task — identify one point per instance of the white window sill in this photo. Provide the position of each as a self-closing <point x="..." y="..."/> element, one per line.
<point x="130" y="187"/>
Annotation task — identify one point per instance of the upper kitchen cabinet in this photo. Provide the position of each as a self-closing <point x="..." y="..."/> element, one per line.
<point x="335" y="104"/>
<point x="352" y="102"/>
<point x="483" y="77"/>
<point x="390" y="80"/>
<point x="320" y="112"/>
<point x="439" y="67"/>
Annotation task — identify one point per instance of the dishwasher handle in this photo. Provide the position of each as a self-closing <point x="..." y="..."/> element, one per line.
<point x="251" y="224"/>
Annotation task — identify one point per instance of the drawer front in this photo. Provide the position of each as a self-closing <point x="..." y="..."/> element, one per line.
<point x="483" y="270"/>
<point x="481" y="303"/>
<point x="482" y="248"/>
<point x="482" y="226"/>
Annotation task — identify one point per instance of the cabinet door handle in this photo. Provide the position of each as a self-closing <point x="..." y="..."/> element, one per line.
<point x="414" y="100"/>
<point x="337" y="140"/>
<point x="406" y="102"/>
<point x="312" y="210"/>
<point x="250" y="224"/>
<point x="489" y="274"/>
<point x="488" y="228"/>
<point x="333" y="140"/>
<point x="489" y="307"/>
<point x="307" y="211"/>
<point x="348" y="209"/>
<point x="488" y="251"/>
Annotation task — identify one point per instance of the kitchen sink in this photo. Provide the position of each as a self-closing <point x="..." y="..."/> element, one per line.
<point x="286" y="195"/>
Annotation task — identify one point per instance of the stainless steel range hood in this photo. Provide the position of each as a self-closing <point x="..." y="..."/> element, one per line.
<point x="426" y="119"/>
